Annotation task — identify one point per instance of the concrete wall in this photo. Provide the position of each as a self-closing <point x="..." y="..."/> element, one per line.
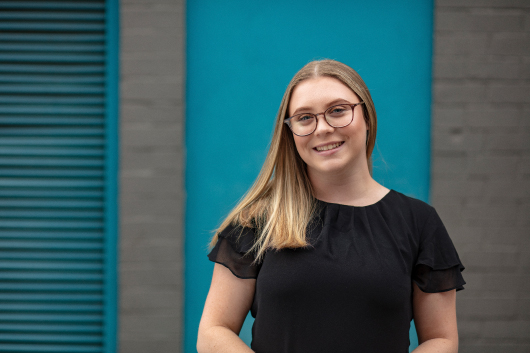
<point x="481" y="164"/>
<point x="151" y="167"/>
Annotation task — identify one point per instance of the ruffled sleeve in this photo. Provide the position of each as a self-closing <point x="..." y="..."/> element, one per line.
<point x="231" y="251"/>
<point x="438" y="267"/>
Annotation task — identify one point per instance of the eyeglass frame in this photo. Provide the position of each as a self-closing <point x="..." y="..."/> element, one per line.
<point x="288" y="120"/>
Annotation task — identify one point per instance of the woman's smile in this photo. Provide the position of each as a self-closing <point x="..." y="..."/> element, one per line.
<point x="328" y="146"/>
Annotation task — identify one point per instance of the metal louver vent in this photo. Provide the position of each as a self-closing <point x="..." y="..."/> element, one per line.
<point x="54" y="177"/>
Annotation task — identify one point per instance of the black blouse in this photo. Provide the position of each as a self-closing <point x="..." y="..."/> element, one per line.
<point x="351" y="290"/>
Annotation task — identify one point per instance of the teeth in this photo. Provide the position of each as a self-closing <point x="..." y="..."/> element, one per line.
<point x="329" y="147"/>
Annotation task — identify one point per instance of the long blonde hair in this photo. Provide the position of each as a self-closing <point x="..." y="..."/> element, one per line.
<point x="280" y="203"/>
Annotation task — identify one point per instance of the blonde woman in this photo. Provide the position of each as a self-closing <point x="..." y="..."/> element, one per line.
<point x="325" y="258"/>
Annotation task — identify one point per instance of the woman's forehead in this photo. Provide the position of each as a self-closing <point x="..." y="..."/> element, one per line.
<point x="316" y="92"/>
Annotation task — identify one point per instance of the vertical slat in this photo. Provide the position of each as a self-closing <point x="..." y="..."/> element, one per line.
<point x="58" y="157"/>
<point x="111" y="175"/>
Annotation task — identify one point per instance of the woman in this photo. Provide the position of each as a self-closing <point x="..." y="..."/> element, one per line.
<point x="324" y="257"/>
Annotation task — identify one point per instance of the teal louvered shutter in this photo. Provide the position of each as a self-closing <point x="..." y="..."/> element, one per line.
<point x="58" y="157"/>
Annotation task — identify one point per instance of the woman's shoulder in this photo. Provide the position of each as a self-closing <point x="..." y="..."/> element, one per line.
<point x="400" y="208"/>
<point x="403" y="202"/>
<point x="233" y="250"/>
<point x="238" y="233"/>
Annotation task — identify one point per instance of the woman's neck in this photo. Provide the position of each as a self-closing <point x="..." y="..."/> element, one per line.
<point x="356" y="188"/>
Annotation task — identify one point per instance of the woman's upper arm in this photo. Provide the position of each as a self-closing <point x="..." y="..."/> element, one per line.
<point x="229" y="300"/>
<point x="435" y="315"/>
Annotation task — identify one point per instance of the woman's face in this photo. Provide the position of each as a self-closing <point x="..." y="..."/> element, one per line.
<point x="329" y="149"/>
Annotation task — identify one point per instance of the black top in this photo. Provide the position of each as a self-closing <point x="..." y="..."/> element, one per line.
<point x="352" y="289"/>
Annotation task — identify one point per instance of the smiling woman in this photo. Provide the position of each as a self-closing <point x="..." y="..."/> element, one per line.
<point x="325" y="257"/>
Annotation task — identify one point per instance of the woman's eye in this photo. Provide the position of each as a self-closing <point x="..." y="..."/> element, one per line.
<point x="338" y="110"/>
<point x="302" y="118"/>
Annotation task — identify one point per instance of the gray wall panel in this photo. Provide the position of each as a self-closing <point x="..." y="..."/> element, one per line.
<point x="480" y="164"/>
<point x="151" y="176"/>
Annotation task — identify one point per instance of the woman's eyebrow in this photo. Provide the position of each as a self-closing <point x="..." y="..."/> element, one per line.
<point x="333" y="102"/>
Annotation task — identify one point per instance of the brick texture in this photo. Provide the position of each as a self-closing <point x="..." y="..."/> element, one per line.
<point x="151" y="176"/>
<point x="481" y="164"/>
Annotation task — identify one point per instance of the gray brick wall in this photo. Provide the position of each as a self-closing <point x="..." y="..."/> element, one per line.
<point x="151" y="176"/>
<point x="481" y="164"/>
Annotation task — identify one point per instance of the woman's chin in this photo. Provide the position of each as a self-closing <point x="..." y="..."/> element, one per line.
<point x="329" y="169"/>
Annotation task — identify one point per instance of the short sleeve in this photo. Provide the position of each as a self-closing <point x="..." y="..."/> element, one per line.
<point x="438" y="267"/>
<point x="231" y="251"/>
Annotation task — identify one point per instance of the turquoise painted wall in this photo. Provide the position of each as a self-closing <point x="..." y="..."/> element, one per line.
<point x="241" y="56"/>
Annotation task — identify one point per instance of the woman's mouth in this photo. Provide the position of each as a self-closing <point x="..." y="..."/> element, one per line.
<point x="328" y="147"/>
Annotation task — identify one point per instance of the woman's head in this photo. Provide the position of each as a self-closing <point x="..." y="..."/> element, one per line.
<point x="281" y="203"/>
<point x="283" y="138"/>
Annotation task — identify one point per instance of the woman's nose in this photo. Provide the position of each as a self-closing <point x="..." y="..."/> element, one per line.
<point x="322" y="125"/>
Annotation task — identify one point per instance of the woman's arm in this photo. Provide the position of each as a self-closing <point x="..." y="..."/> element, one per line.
<point x="435" y="320"/>
<point x="226" y="308"/>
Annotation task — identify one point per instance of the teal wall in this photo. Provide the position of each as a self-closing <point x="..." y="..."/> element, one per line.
<point x="240" y="58"/>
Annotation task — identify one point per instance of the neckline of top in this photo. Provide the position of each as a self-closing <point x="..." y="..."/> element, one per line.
<point x="391" y="191"/>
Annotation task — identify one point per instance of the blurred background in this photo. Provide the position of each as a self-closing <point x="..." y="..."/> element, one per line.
<point x="129" y="129"/>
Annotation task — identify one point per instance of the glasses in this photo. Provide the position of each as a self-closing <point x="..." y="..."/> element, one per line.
<point x="339" y="115"/>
